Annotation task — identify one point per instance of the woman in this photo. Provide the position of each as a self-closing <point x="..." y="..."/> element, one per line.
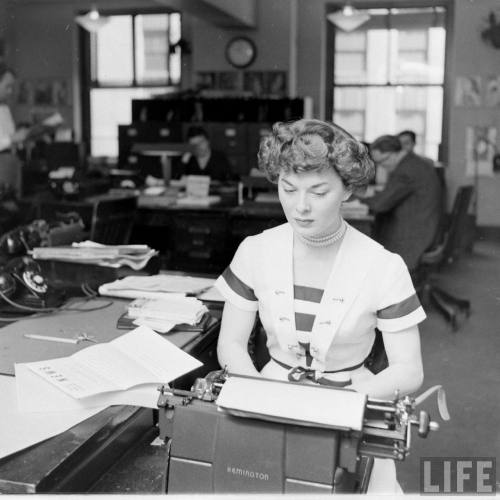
<point x="320" y="286"/>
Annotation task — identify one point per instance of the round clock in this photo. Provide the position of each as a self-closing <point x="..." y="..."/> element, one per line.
<point x="241" y="52"/>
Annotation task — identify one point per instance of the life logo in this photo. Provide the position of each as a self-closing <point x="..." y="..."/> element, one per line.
<point x="458" y="475"/>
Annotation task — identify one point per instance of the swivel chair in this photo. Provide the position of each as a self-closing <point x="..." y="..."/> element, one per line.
<point x="453" y="308"/>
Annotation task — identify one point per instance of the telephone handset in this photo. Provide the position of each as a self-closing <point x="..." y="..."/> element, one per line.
<point x="22" y="285"/>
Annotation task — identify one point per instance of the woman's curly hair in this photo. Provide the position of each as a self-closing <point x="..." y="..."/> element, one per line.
<point x="308" y="144"/>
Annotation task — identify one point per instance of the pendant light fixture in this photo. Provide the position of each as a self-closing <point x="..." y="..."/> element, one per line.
<point x="348" y="18"/>
<point x="92" y="21"/>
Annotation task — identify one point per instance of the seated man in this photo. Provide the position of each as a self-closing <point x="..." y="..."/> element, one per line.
<point x="409" y="209"/>
<point x="205" y="160"/>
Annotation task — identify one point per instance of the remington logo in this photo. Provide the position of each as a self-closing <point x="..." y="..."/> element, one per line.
<point x="236" y="471"/>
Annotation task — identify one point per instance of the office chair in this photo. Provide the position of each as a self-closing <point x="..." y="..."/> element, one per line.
<point x="453" y="308"/>
<point x="112" y="220"/>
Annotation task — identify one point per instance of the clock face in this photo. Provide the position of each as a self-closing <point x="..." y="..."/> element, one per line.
<point x="241" y="52"/>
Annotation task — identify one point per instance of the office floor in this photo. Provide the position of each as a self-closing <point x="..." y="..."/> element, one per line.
<point x="466" y="363"/>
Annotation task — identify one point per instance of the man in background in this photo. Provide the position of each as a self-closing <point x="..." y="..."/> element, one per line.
<point x="10" y="166"/>
<point x="409" y="209"/>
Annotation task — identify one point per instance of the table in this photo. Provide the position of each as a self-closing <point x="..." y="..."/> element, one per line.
<point x="73" y="461"/>
<point x="205" y="239"/>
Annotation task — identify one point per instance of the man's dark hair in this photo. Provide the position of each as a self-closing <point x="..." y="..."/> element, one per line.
<point x="410" y="133"/>
<point x="386" y="143"/>
<point x="4" y="69"/>
<point x="196" y="130"/>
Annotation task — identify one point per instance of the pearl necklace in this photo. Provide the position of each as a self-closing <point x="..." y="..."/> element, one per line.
<point x="324" y="241"/>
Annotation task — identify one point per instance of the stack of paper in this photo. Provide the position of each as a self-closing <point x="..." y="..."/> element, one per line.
<point x="89" y="252"/>
<point x="157" y="286"/>
<point x="126" y="370"/>
<point x="163" y="314"/>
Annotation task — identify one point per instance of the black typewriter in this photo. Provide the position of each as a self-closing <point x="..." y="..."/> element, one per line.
<point x="214" y="447"/>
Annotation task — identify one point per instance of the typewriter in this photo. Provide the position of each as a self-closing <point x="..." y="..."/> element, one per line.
<point x="213" y="448"/>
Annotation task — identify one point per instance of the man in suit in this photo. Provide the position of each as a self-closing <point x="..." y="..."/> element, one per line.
<point x="409" y="209"/>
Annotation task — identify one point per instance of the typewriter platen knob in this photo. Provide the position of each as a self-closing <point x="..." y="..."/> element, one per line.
<point x="425" y="424"/>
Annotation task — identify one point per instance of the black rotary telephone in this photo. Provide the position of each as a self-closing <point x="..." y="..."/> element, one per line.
<point x="23" y="286"/>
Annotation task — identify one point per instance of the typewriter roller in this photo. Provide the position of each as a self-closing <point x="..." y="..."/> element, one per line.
<point x="214" y="451"/>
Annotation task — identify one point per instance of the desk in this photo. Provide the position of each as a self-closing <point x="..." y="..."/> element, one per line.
<point x="74" y="460"/>
<point x="205" y="239"/>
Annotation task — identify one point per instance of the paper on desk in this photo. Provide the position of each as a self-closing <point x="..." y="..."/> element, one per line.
<point x="126" y="370"/>
<point x="304" y="404"/>
<point x="19" y="430"/>
<point x="163" y="283"/>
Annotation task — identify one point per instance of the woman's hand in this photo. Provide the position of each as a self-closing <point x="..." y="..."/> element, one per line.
<point x="232" y="346"/>
<point x="404" y="373"/>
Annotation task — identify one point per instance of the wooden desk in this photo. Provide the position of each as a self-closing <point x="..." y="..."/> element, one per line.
<point x="205" y="239"/>
<point x="73" y="461"/>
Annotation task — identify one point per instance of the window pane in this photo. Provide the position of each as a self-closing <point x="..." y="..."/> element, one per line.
<point x="349" y="98"/>
<point x="369" y="112"/>
<point x="152" y="48"/>
<point x="353" y="121"/>
<point x="114" y="52"/>
<point x="108" y="109"/>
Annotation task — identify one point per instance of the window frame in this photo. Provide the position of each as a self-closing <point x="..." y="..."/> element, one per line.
<point x="86" y="69"/>
<point x="443" y="154"/>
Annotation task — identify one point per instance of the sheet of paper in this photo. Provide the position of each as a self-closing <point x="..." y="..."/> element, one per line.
<point x="19" y="430"/>
<point x="36" y="395"/>
<point x="308" y="404"/>
<point x="140" y="357"/>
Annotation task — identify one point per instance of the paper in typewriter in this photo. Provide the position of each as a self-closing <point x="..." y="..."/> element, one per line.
<point x="293" y="403"/>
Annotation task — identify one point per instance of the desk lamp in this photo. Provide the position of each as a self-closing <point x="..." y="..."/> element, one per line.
<point x="166" y="151"/>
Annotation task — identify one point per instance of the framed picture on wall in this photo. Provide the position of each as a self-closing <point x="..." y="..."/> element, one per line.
<point x="25" y="92"/>
<point x="468" y="91"/>
<point x="228" y="80"/>
<point x="276" y="83"/>
<point x="60" y="92"/>
<point x="205" y="79"/>
<point x="42" y="93"/>
<point x="254" y="82"/>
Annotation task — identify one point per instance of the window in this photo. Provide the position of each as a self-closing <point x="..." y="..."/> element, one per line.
<point x="388" y="75"/>
<point x="134" y="56"/>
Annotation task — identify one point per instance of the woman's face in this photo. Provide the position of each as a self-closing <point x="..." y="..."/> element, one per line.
<point x="311" y="200"/>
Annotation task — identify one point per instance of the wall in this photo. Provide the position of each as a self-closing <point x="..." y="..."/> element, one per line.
<point x="271" y="38"/>
<point x="472" y="56"/>
<point x="48" y="48"/>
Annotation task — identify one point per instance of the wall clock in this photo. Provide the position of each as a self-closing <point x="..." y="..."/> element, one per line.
<point x="241" y="52"/>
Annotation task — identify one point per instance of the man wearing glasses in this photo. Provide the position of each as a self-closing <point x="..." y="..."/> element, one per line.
<point x="409" y="209"/>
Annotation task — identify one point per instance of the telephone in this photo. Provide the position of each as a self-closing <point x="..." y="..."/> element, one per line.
<point x="24" y="288"/>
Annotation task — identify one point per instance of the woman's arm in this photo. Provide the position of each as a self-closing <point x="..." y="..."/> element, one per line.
<point x="232" y="347"/>
<point x="404" y="373"/>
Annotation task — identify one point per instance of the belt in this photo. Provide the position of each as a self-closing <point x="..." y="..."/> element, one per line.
<point x="298" y="373"/>
<point x="5" y="151"/>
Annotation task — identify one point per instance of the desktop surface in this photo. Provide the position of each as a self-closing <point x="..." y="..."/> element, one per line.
<point x="74" y="460"/>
